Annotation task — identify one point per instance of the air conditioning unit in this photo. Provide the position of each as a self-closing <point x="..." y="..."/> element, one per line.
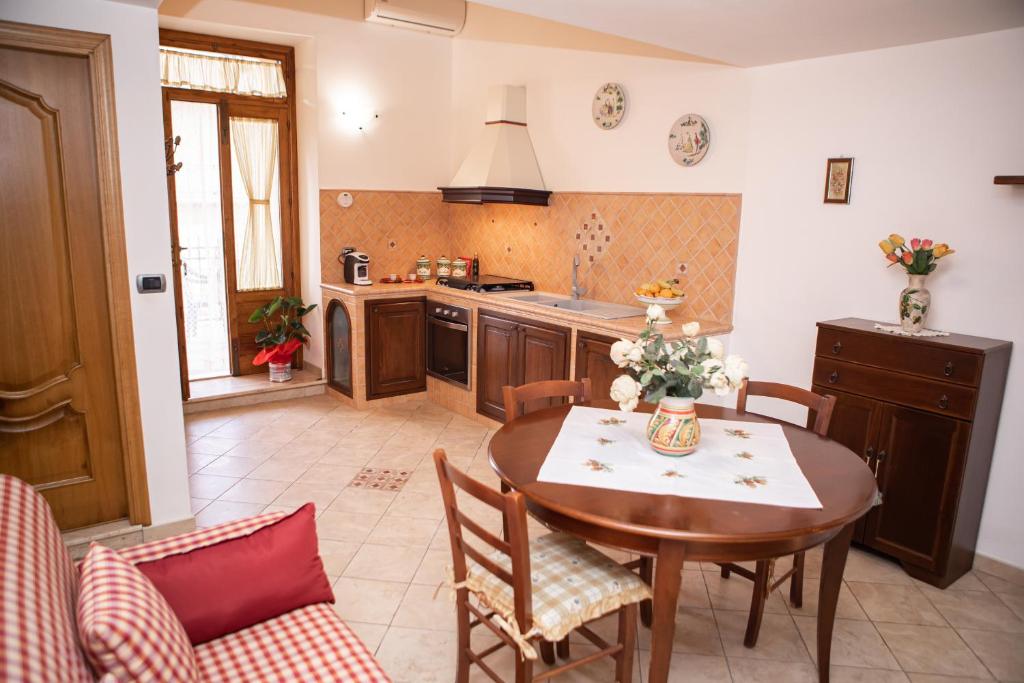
<point x="442" y="17"/>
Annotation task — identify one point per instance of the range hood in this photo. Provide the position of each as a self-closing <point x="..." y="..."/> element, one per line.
<point x="501" y="168"/>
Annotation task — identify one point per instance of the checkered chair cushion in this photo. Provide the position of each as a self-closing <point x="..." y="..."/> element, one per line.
<point x="38" y="592"/>
<point x="572" y="584"/>
<point x="307" y="644"/>
<point x="127" y="628"/>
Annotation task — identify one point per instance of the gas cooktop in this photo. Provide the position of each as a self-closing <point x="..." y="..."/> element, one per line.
<point x="487" y="284"/>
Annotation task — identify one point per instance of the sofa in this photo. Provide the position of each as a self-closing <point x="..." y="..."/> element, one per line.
<point x="39" y="586"/>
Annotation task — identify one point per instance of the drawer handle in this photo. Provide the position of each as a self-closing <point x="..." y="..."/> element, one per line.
<point x="944" y="402"/>
<point x="870" y="452"/>
<point x="948" y="370"/>
<point x="878" y="461"/>
<point x="837" y="347"/>
<point x="834" y="377"/>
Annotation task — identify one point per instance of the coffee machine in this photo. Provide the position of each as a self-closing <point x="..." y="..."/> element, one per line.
<point x="357" y="266"/>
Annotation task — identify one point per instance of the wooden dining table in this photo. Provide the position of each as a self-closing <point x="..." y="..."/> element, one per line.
<point x="676" y="529"/>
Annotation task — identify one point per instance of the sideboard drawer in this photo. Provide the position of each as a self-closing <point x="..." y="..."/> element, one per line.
<point x="900" y="354"/>
<point x="937" y="397"/>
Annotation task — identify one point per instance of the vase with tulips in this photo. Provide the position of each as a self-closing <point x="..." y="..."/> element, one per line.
<point x="671" y="375"/>
<point x="918" y="258"/>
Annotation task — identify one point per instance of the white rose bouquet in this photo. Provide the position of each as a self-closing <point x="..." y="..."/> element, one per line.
<point x="656" y="368"/>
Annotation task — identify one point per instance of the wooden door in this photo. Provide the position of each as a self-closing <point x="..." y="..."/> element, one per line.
<point x="395" y="347"/>
<point x="65" y="427"/>
<point x="497" y="363"/>
<point x="920" y="457"/>
<point x="593" y="360"/>
<point x="543" y="353"/>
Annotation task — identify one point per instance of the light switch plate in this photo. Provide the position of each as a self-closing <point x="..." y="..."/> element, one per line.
<point x="151" y="283"/>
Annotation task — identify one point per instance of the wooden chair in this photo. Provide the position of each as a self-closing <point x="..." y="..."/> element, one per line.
<point x="820" y="414"/>
<point x="518" y="594"/>
<point x="521" y="396"/>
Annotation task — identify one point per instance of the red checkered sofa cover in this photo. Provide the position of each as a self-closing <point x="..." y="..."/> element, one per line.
<point x="39" y="592"/>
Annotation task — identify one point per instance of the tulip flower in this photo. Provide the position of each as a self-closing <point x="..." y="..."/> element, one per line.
<point x="886" y="246"/>
<point x="915" y="243"/>
<point x="893" y="257"/>
<point x="897" y="241"/>
<point x="908" y="257"/>
<point x="926" y="244"/>
<point x="941" y="250"/>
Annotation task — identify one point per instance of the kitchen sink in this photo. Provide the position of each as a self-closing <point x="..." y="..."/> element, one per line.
<point x="605" y="310"/>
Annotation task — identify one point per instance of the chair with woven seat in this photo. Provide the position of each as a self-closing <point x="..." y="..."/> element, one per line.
<point x="526" y="591"/>
<point x="818" y="418"/>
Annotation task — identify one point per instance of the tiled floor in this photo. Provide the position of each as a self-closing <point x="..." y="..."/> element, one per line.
<point x="386" y="552"/>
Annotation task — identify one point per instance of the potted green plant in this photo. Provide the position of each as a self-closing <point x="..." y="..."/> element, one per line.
<point x="282" y="335"/>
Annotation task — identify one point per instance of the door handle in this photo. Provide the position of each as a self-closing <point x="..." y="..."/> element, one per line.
<point x="948" y="370"/>
<point x="834" y="377"/>
<point x="837" y="347"/>
<point x="944" y="402"/>
<point x="881" y="456"/>
<point x="870" y="452"/>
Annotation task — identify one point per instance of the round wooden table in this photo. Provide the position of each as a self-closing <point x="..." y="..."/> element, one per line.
<point x="673" y="528"/>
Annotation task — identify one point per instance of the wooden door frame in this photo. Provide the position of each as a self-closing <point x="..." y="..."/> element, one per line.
<point x="292" y="273"/>
<point x="96" y="48"/>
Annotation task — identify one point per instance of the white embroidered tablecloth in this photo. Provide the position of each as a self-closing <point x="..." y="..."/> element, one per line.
<point x="748" y="462"/>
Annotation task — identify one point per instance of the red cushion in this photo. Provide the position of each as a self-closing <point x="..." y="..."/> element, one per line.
<point x="223" y="588"/>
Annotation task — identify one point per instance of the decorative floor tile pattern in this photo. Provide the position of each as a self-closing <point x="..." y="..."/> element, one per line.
<point x="381" y="478"/>
<point x="386" y="551"/>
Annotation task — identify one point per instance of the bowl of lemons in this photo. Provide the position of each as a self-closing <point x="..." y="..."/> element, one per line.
<point x="665" y="293"/>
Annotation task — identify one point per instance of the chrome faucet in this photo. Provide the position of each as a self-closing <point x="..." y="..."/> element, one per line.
<point x="576" y="289"/>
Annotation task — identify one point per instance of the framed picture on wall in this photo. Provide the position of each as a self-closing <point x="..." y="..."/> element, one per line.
<point x="838" y="174"/>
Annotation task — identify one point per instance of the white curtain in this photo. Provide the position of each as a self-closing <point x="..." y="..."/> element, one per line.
<point x="221" y="73"/>
<point x="255" y="152"/>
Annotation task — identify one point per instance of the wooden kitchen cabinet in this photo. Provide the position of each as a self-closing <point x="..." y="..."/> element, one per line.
<point x="594" y="361"/>
<point x="923" y="413"/>
<point x="514" y="351"/>
<point x="395" y="347"/>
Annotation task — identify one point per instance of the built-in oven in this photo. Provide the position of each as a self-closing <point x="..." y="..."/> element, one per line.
<point x="448" y="342"/>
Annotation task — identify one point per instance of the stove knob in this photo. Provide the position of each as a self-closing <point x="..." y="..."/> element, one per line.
<point x="437" y="310"/>
<point x="447" y="312"/>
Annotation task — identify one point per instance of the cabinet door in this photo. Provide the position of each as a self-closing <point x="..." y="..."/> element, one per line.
<point x="593" y="360"/>
<point x="395" y="351"/>
<point x="496" y="363"/>
<point x="920" y="460"/>
<point x="543" y="354"/>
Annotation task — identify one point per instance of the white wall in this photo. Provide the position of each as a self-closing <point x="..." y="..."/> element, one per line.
<point x="573" y="153"/>
<point x="144" y="189"/>
<point x="928" y="126"/>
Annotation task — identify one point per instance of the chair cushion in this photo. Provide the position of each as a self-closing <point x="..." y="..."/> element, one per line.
<point x="127" y="628"/>
<point x="572" y="584"/>
<point x="38" y="590"/>
<point x="309" y="644"/>
<point x="231" y="585"/>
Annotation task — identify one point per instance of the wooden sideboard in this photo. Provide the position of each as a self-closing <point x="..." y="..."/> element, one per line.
<point x="923" y="413"/>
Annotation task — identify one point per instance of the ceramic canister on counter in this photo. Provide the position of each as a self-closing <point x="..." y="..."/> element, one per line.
<point x="423" y="268"/>
<point x="444" y="267"/>
<point x="459" y="267"/>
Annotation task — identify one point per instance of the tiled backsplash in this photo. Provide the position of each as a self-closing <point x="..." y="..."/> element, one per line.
<point x="642" y="236"/>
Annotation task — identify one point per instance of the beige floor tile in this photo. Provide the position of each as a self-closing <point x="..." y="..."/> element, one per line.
<point x="762" y="671"/>
<point x="228" y="466"/>
<point x="931" y="649"/>
<point x="370" y="634"/>
<point x="696" y="633"/>
<point x="209" y="486"/>
<point x="300" y="493"/>
<point x="426" y="607"/>
<point x="373" y="602"/>
<point x="433" y="569"/>
<point x="735" y="593"/>
<point x="935" y="678"/>
<point x="336" y="555"/>
<point x="1014" y="601"/>
<point x="356" y="499"/>
<point x="778" y="640"/>
<point x="411" y="503"/>
<point x="897" y="603"/>
<point x="1002" y="653"/>
<point x="999" y="584"/>
<point x="403" y="531"/>
<point x="847" y="606"/>
<point x="853" y="674"/>
<point x="255" y="491"/>
<point x="256" y="449"/>
<point x="220" y="511"/>
<point x="395" y="460"/>
<point x="197" y="461"/>
<point x="345" y="526"/>
<point x="199" y="503"/>
<point x="967" y="582"/>
<point x="345" y="454"/>
<point x="854" y="643"/>
<point x="599" y="671"/>
<point x="418" y="656"/>
<point x="338" y="476"/>
<point x="385" y="563"/>
<point x="861" y="566"/>
<point x="213" y="445"/>
<point x="278" y="469"/>
<point x="976" y="610"/>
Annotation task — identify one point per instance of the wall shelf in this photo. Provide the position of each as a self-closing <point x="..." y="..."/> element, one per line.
<point x="1009" y="180"/>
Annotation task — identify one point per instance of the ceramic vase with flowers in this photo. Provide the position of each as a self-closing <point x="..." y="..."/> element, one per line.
<point x="919" y="257"/>
<point x="671" y="375"/>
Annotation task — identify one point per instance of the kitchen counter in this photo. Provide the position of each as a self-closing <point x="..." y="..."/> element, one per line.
<point x="623" y="327"/>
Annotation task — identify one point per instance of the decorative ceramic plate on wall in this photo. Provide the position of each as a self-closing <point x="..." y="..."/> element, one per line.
<point x="689" y="139"/>
<point x="609" y="106"/>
